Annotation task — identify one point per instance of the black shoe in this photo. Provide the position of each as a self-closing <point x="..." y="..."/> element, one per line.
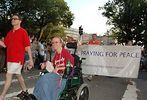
<point x="31" y="97"/>
<point x="22" y="96"/>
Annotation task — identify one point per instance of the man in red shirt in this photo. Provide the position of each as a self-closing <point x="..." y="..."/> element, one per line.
<point x="17" y="42"/>
<point x="94" y="40"/>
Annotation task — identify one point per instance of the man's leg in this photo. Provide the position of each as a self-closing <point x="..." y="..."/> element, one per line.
<point x="24" y="92"/>
<point x="21" y="82"/>
<point x="7" y="85"/>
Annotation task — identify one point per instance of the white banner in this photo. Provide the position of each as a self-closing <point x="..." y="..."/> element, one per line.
<point x="117" y="61"/>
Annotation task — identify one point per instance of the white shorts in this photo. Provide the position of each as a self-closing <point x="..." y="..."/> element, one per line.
<point x="14" y="68"/>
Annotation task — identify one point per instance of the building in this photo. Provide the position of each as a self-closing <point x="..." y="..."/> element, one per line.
<point x="72" y="32"/>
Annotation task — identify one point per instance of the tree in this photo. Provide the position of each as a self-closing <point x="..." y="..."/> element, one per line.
<point x="128" y="19"/>
<point x="37" y="13"/>
<point x="52" y="31"/>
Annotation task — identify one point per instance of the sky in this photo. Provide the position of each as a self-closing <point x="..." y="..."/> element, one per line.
<point x="86" y="13"/>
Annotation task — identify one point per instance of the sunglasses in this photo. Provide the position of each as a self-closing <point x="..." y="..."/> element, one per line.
<point x="15" y="19"/>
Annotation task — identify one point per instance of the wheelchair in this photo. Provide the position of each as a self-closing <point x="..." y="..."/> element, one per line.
<point x="75" y="88"/>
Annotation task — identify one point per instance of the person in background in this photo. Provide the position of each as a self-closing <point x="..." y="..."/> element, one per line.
<point x="71" y="45"/>
<point x="2" y="43"/>
<point x="2" y="56"/>
<point x="16" y="42"/>
<point x="41" y="54"/>
<point x="129" y="80"/>
<point x="93" y="41"/>
<point x="144" y="60"/>
<point x="51" y="84"/>
<point x="48" y="52"/>
<point x="34" y="47"/>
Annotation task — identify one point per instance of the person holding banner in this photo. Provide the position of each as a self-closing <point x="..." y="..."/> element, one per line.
<point x="93" y="41"/>
<point x="129" y="80"/>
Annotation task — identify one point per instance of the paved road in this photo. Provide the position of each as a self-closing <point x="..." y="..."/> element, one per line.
<point x="101" y="87"/>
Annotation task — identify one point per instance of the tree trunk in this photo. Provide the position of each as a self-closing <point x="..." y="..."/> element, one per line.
<point x="41" y="32"/>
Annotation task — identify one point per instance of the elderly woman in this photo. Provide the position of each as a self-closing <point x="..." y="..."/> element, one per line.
<point x="51" y="84"/>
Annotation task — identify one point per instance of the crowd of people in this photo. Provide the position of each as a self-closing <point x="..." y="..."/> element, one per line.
<point x="24" y="52"/>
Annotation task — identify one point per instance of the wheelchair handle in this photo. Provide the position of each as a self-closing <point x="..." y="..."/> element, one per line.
<point x="83" y="59"/>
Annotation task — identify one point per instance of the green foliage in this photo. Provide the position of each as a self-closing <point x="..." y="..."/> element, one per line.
<point x="37" y="14"/>
<point x="128" y="19"/>
<point x="52" y="31"/>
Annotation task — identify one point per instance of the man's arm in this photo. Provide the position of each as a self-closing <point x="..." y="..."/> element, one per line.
<point x="28" y="49"/>
<point x="2" y="44"/>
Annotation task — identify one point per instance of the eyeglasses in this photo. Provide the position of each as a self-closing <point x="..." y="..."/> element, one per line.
<point x="15" y="19"/>
<point x="55" y="42"/>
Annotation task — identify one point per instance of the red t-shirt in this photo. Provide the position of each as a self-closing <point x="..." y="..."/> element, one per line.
<point x="60" y="60"/>
<point x="16" y="41"/>
<point x="94" y="42"/>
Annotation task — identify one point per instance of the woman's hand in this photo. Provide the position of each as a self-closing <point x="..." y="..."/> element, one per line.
<point x="59" y="69"/>
<point x="43" y="65"/>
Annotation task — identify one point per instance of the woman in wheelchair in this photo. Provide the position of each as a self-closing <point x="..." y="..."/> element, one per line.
<point x="51" y="84"/>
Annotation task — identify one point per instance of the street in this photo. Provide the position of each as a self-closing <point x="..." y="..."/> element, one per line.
<point x="101" y="87"/>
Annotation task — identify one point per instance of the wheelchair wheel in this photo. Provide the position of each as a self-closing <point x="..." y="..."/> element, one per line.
<point x="83" y="92"/>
